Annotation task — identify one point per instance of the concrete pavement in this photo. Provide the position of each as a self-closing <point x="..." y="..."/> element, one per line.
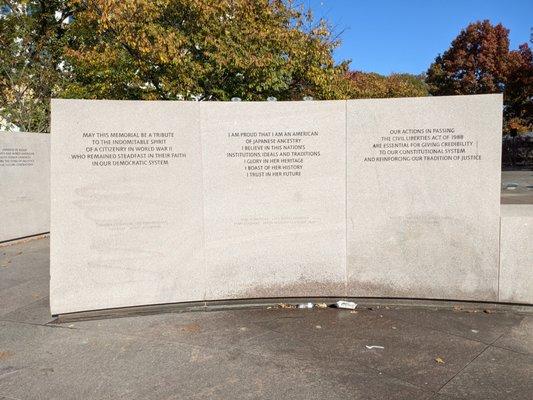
<point x="439" y="351"/>
<point x="517" y="187"/>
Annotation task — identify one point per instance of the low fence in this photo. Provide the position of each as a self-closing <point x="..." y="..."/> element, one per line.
<point x="517" y="151"/>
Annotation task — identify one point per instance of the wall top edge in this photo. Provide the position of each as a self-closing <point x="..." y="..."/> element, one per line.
<point x="495" y="95"/>
<point x="23" y="133"/>
<point x="517" y="210"/>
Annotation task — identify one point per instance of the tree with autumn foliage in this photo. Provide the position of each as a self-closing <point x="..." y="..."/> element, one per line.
<point x="518" y="94"/>
<point x="160" y="49"/>
<point x="373" y="85"/>
<point x="201" y="49"/>
<point x="479" y="61"/>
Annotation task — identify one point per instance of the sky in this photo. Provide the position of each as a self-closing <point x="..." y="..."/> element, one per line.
<point x="388" y="36"/>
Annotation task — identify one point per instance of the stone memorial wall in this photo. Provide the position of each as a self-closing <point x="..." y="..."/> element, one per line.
<point x="160" y="202"/>
<point x="24" y="185"/>
<point x="424" y="197"/>
<point x="516" y="254"/>
<point x="274" y="199"/>
<point x="127" y="204"/>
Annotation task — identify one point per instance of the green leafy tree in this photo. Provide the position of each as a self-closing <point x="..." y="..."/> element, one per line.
<point x="31" y="46"/>
<point x="204" y="49"/>
<point x="160" y="49"/>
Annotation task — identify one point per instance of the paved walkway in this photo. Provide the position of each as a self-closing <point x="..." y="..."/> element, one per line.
<point x="517" y="187"/>
<point x="376" y="352"/>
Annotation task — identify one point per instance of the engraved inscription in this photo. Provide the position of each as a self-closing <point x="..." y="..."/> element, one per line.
<point x="16" y="157"/>
<point x="423" y="145"/>
<point x="273" y="154"/>
<point x="128" y="149"/>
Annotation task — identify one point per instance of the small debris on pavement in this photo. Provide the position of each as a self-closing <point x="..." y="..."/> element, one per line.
<point x="191" y="328"/>
<point x="349" y="305"/>
<point x="468" y="310"/>
<point x="284" y="305"/>
<point x="374" y="347"/>
<point x="5" y="354"/>
<point x="439" y="360"/>
<point x="305" y="305"/>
